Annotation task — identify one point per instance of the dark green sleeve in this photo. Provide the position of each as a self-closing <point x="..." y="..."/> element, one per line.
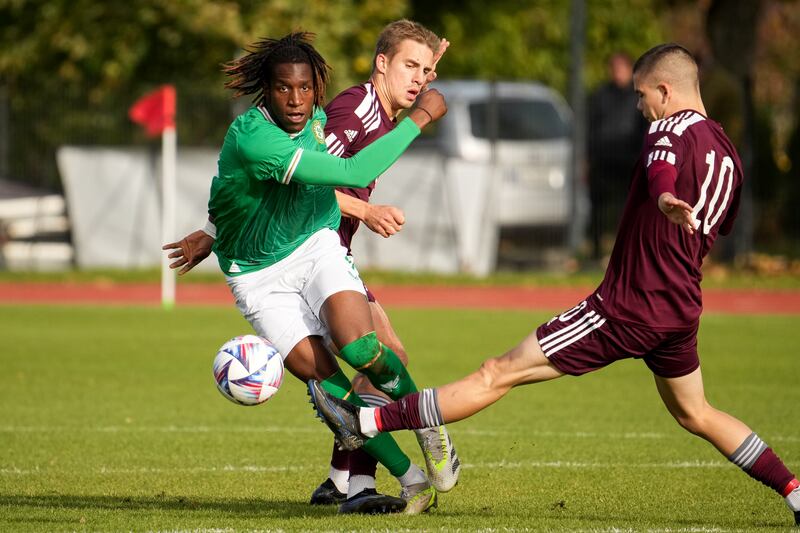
<point x="321" y="168"/>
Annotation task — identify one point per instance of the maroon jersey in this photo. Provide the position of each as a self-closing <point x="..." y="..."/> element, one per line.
<point x="653" y="277"/>
<point x="355" y="119"/>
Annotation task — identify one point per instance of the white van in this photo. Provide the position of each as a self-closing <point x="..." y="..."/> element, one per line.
<point x="533" y="149"/>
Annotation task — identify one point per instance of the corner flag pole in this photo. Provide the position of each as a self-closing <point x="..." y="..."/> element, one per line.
<point x="168" y="179"/>
<point x="155" y="111"/>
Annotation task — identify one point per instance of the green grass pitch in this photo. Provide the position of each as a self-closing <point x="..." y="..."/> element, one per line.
<point x="109" y="421"/>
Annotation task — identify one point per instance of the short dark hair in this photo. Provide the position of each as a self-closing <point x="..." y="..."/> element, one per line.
<point x="252" y="72"/>
<point x="648" y="61"/>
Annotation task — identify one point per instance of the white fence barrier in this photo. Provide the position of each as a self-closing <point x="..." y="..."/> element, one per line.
<point x="24" y="222"/>
<point x="113" y="200"/>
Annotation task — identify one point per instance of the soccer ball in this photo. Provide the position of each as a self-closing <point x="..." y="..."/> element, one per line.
<point x="248" y="370"/>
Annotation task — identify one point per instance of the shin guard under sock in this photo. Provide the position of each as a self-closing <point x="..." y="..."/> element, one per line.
<point x="380" y="364"/>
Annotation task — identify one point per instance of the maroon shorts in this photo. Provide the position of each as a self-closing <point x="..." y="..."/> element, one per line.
<point x="581" y="340"/>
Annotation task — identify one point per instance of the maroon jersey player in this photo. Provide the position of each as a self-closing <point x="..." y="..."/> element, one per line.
<point x="685" y="191"/>
<point x="355" y="119"/>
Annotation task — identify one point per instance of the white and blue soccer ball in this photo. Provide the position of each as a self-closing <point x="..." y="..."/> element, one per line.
<point x="248" y="370"/>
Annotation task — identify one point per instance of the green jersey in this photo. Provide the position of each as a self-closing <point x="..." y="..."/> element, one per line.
<point x="274" y="189"/>
<point x="260" y="213"/>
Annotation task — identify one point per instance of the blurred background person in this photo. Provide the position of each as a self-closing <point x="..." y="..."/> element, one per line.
<point x="614" y="141"/>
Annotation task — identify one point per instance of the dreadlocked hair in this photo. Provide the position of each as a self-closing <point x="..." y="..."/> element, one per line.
<point x="252" y="73"/>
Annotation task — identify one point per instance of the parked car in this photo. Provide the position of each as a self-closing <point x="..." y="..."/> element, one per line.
<point x="530" y="124"/>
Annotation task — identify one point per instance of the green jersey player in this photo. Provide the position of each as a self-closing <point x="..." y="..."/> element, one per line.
<point x="356" y="118"/>
<point x="275" y="212"/>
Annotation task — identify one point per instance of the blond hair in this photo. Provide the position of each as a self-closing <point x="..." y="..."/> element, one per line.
<point x="401" y="30"/>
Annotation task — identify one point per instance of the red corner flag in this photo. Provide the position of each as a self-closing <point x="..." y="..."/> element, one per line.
<point x="155" y="110"/>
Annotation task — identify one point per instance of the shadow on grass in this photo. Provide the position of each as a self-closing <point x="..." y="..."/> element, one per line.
<point x="246" y="509"/>
<point x="241" y="508"/>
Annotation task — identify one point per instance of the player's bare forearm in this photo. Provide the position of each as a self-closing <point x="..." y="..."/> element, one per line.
<point x="385" y="220"/>
<point x="677" y="211"/>
<point x="352" y="207"/>
<point x="189" y="251"/>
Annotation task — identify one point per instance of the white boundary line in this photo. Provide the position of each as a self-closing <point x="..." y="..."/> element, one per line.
<point x="513" y="465"/>
<point x="308" y="429"/>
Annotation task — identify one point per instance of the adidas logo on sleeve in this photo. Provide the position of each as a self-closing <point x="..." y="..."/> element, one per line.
<point x="663" y="141"/>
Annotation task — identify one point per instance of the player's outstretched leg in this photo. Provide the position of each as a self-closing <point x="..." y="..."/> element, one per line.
<point x="415" y="411"/>
<point x="433" y="407"/>
<point x="685" y="399"/>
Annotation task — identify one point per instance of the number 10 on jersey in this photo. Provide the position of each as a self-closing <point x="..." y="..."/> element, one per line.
<point x="724" y="183"/>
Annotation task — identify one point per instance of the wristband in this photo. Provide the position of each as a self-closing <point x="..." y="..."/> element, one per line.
<point x="210" y="229"/>
<point x="427" y="113"/>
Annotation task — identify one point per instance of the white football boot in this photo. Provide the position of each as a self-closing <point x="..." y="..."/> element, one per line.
<point x="441" y="459"/>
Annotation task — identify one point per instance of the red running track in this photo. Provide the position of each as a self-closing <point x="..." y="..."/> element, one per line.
<point x="545" y="298"/>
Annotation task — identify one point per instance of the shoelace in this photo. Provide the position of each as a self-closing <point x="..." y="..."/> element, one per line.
<point x="433" y="442"/>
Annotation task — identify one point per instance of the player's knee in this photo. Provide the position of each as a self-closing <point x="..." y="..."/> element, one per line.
<point x="489" y="373"/>
<point x="694" y="421"/>
<point x="687" y="422"/>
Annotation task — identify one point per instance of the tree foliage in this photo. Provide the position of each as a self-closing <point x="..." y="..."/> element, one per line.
<point x="346" y="30"/>
<point x="71" y="68"/>
<point x="88" y="49"/>
<point x="513" y="39"/>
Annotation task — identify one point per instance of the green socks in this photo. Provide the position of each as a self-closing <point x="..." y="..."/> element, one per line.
<point x="380" y="364"/>
<point x="383" y="447"/>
